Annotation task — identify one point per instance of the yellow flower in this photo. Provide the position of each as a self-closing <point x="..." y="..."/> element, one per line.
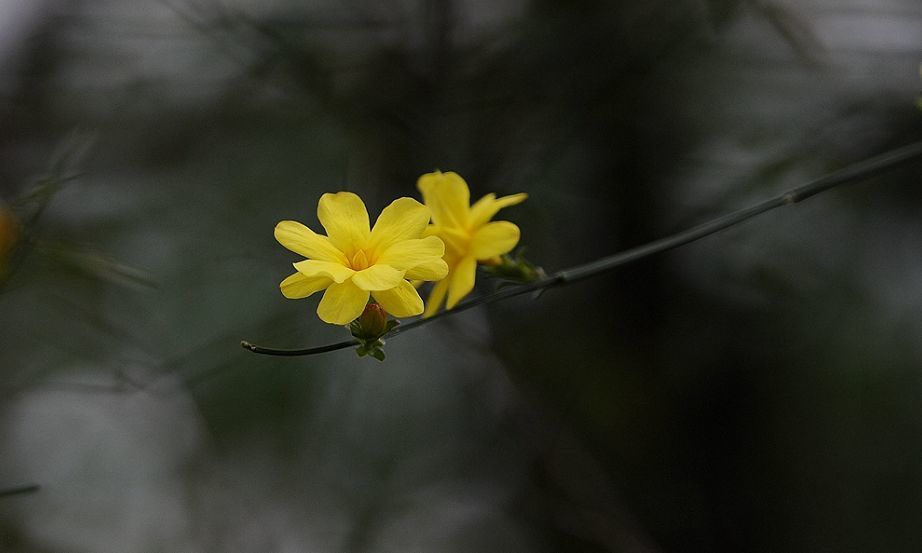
<point x="466" y="229"/>
<point x="352" y="262"/>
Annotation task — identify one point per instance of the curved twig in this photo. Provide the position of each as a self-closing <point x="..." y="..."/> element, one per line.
<point x="297" y="352"/>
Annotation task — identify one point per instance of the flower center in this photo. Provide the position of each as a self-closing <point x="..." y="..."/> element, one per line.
<point x="359" y="261"/>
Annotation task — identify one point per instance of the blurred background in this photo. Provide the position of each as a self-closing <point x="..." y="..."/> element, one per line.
<point x="756" y="391"/>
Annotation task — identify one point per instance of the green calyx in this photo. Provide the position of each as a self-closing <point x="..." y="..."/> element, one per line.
<point x="514" y="268"/>
<point x="369" y="330"/>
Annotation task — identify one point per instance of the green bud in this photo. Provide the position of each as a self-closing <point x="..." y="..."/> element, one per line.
<point x="369" y="330"/>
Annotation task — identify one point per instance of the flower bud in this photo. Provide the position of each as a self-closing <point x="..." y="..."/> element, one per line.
<point x="369" y="328"/>
<point x="371" y="324"/>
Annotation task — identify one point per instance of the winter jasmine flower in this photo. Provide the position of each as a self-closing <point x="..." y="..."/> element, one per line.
<point x="468" y="232"/>
<point x="354" y="262"/>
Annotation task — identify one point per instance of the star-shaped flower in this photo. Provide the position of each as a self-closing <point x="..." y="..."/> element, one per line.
<point x="467" y="231"/>
<point x="354" y="262"/>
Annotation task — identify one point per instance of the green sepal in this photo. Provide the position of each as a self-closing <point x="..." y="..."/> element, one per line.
<point x="515" y="268"/>
<point x="371" y="349"/>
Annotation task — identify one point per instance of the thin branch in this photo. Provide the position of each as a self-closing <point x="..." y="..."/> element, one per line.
<point x="296" y="352"/>
<point x="857" y="171"/>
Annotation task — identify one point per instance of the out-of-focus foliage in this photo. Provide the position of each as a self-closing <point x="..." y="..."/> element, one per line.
<point x="758" y="391"/>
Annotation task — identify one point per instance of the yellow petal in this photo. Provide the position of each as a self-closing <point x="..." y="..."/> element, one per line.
<point x="461" y="281"/>
<point x="404" y="219"/>
<point x="302" y="240"/>
<point x="410" y="253"/>
<point x="400" y="301"/>
<point x="485" y="208"/>
<point x="447" y="196"/>
<point x="436" y="297"/>
<point x="298" y="286"/>
<point x="457" y="240"/>
<point x="378" y="277"/>
<point x="345" y="218"/>
<point x="342" y="303"/>
<point x="436" y="269"/>
<point x="316" y="268"/>
<point x="494" y="239"/>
